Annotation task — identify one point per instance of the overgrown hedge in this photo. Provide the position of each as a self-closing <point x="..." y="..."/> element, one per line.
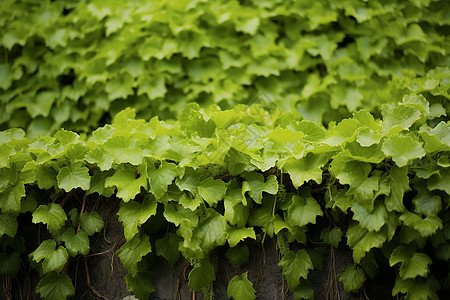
<point x="74" y="64"/>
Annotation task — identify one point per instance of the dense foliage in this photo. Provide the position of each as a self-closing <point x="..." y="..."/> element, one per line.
<point x="74" y="64"/>
<point x="223" y="177"/>
<point x="302" y="121"/>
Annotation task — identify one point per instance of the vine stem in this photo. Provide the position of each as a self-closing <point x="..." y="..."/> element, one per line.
<point x="88" y="282"/>
<point x="83" y="206"/>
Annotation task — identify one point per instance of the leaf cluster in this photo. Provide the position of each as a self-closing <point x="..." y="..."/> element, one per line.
<point x="74" y="64"/>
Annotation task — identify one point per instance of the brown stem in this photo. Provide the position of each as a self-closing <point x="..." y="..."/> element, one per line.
<point x="88" y="282"/>
<point x="83" y="206"/>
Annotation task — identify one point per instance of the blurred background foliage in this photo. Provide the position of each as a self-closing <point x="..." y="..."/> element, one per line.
<point x="75" y="64"/>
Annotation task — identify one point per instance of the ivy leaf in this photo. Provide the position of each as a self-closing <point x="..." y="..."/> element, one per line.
<point x="98" y="184"/>
<point x="362" y="241"/>
<point x="332" y="237"/>
<point x="303" y="211"/>
<point x="54" y="260"/>
<point x="295" y="266"/>
<point x="125" y="148"/>
<point x="141" y="284"/>
<point x="132" y="252"/>
<point x="128" y="183"/>
<point x="402" y="149"/>
<point x="212" y="231"/>
<point x="400" y="115"/>
<point x="55" y="286"/>
<point x="52" y="215"/>
<point x="74" y="176"/>
<point x="304" y="290"/>
<point x="374" y="220"/>
<point x="426" y="203"/>
<point x="10" y="198"/>
<point x="91" y="222"/>
<point x="240" y="288"/>
<point x="235" y="235"/>
<point x="426" y="227"/>
<point x="437" y="138"/>
<point x="306" y="168"/>
<point x="167" y="247"/>
<point x="415" y="289"/>
<point x="161" y="178"/>
<point x="133" y="214"/>
<point x="46" y="177"/>
<point x="440" y="181"/>
<point x="212" y="190"/>
<point x="201" y="276"/>
<point x="352" y="278"/>
<point x="399" y="185"/>
<point x="8" y="224"/>
<point x="254" y="183"/>
<point x="413" y="264"/>
<point x="76" y="242"/>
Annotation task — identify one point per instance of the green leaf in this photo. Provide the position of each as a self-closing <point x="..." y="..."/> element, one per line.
<point x="55" y="286"/>
<point x="212" y="231"/>
<point x="254" y="183"/>
<point x="54" y="260"/>
<point x="141" y="284"/>
<point x="235" y="202"/>
<point x="161" y="178"/>
<point x="133" y="251"/>
<point x="399" y="185"/>
<point x="415" y="289"/>
<point x="212" y="191"/>
<point x="201" y="276"/>
<point x="46" y="177"/>
<point x="437" y="138"/>
<point x="303" y="211"/>
<point x="128" y="183"/>
<point x="306" y="168"/>
<point x="362" y="241"/>
<point x="91" y="222"/>
<point x="74" y="216"/>
<point x="425" y="226"/>
<point x="76" y="242"/>
<point x="283" y="136"/>
<point x="98" y="184"/>
<point x="413" y="264"/>
<point x="10" y="198"/>
<point x="332" y="237"/>
<point x="426" y="203"/>
<point x="402" y="149"/>
<point x="440" y="181"/>
<point x="295" y="266"/>
<point x="238" y="255"/>
<point x="304" y="290"/>
<point x="240" y="288"/>
<point x="400" y="115"/>
<point x="167" y="247"/>
<point x="374" y="220"/>
<point x="133" y="214"/>
<point x="52" y="215"/>
<point x="352" y="278"/>
<point x="125" y="148"/>
<point x="8" y="224"/>
<point x="74" y="176"/>
<point x="235" y="235"/>
<point x="5" y="76"/>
